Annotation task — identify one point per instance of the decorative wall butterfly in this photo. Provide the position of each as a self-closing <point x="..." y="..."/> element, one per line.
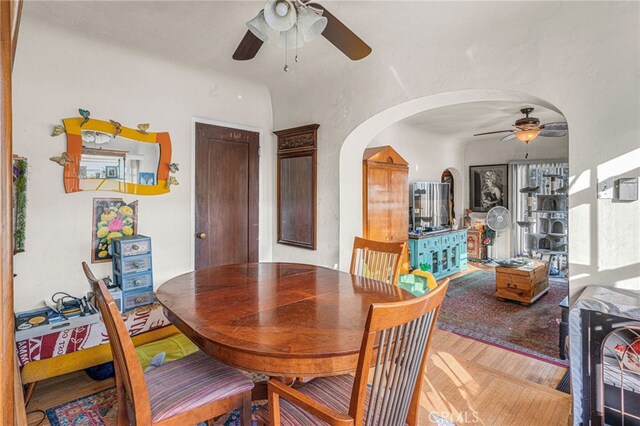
<point x="57" y="130"/>
<point x="172" y="181"/>
<point x="117" y="128"/>
<point x="62" y="160"/>
<point x="143" y="127"/>
<point x="84" y="114"/>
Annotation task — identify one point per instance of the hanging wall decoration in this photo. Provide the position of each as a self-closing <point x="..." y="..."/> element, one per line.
<point x="107" y="156"/>
<point x="62" y="160"/>
<point x="143" y="127"/>
<point x="112" y="217"/>
<point x="57" y="130"/>
<point x="85" y="116"/>
<point x="19" y="202"/>
<point x="488" y="187"/>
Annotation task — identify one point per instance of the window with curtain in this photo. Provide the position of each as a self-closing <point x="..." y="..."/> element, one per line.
<point x="530" y="174"/>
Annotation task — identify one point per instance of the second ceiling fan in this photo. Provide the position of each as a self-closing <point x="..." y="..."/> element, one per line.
<point x="295" y="22"/>
<point x="528" y="128"/>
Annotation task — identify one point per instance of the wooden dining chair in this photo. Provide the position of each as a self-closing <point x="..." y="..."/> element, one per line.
<point x="191" y="390"/>
<point x="377" y="260"/>
<point x="393" y="396"/>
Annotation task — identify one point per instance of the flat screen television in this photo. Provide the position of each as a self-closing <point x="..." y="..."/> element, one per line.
<point x="430" y="208"/>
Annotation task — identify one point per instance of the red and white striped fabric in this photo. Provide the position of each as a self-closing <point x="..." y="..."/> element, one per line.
<point x="140" y="320"/>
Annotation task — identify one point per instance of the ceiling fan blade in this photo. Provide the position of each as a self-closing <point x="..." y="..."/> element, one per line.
<point x="508" y="137"/>
<point x="342" y="37"/>
<point x="492" y="133"/>
<point x="555" y="126"/>
<point x="248" y="47"/>
<point x="550" y="133"/>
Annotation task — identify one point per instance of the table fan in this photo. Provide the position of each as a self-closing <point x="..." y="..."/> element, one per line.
<point x="498" y="219"/>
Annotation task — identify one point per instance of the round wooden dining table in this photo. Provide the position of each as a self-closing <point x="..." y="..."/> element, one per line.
<point x="279" y="319"/>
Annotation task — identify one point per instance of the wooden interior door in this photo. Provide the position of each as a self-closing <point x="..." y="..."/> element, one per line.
<point x="226" y="191"/>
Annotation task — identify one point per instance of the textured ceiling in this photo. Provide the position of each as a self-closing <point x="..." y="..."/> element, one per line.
<point x="401" y="33"/>
<point x="203" y="34"/>
<point x="464" y="120"/>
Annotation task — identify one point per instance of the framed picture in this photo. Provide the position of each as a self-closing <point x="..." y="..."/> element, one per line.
<point x="111" y="172"/>
<point x="112" y="217"/>
<point x="145" y="178"/>
<point x="488" y="187"/>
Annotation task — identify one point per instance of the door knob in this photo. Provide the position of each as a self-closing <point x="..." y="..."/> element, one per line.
<point x="201" y="235"/>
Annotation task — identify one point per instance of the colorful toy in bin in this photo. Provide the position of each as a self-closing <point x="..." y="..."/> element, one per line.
<point x="425" y="267"/>
<point x="431" y="280"/>
<point x="417" y="283"/>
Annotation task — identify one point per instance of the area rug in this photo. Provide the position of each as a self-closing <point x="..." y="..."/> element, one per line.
<point x="100" y="409"/>
<point x="471" y="309"/>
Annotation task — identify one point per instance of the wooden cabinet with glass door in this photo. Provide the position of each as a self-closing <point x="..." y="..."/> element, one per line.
<point x="385" y="197"/>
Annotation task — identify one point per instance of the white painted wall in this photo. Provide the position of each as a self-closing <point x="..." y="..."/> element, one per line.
<point x="581" y="57"/>
<point x="55" y="74"/>
<point x="428" y="155"/>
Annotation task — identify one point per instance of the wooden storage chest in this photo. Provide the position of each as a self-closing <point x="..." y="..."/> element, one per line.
<point x="524" y="285"/>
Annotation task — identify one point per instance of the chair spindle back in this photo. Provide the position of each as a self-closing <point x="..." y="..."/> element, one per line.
<point x="399" y="334"/>
<point x="133" y="396"/>
<point x="377" y="260"/>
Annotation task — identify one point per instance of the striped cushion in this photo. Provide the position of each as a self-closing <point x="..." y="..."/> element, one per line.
<point x="191" y="382"/>
<point x="334" y="392"/>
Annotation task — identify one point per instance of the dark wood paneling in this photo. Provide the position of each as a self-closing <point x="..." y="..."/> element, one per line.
<point x="226" y="196"/>
<point x="297" y="186"/>
<point x="297" y="198"/>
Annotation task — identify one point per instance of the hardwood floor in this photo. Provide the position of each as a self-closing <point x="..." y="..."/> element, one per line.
<point x="467" y="382"/>
<point x="471" y="382"/>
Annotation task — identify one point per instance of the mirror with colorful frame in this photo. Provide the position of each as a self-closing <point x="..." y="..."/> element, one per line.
<point x="105" y="156"/>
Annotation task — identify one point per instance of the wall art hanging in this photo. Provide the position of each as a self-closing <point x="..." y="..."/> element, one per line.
<point x="112" y="217"/>
<point x="488" y="187"/>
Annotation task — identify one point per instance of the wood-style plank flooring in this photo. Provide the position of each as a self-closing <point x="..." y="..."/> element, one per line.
<point x="467" y="382"/>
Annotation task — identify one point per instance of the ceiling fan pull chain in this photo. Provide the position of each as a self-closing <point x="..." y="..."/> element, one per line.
<point x="286" y="59"/>
<point x="297" y="30"/>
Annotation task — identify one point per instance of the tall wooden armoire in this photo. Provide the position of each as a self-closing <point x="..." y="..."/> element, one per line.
<point x="385" y="197"/>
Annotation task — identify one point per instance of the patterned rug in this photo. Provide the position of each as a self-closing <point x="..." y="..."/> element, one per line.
<point x="471" y="309"/>
<point x="100" y="409"/>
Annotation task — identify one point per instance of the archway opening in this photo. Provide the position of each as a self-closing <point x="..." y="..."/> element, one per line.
<point x="363" y="135"/>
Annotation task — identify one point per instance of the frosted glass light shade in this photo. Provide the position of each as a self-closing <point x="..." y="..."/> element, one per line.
<point x="311" y="24"/>
<point x="527" y="136"/>
<point x="288" y="39"/>
<point x="273" y="15"/>
<point x="259" y="27"/>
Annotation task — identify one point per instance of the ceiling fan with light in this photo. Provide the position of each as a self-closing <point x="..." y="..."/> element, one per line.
<point x="529" y="128"/>
<point x="293" y="23"/>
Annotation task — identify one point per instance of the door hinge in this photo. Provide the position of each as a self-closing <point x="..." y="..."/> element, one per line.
<point x="259" y="151"/>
